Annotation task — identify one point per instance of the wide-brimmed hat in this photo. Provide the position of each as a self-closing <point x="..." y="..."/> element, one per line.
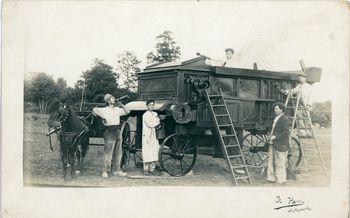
<point x="107" y="97"/>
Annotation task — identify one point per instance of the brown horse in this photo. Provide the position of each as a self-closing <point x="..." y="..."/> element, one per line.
<point x="73" y="136"/>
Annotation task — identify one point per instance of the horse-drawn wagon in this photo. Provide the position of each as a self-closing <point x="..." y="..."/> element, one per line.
<point x="187" y="93"/>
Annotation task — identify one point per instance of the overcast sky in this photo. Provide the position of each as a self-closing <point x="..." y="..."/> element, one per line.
<point x="62" y="38"/>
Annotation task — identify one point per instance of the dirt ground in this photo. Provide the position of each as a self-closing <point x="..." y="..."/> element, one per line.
<point x="43" y="167"/>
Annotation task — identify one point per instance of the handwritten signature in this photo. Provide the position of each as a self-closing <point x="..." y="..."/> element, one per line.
<point x="293" y="205"/>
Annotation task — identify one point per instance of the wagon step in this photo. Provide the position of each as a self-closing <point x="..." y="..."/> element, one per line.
<point x="236" y="160"/>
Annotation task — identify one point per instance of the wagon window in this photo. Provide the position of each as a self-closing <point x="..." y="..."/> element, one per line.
<point x="159" y="84"/>
<point x="249" y="88"/>
<point x="265" y="89"/>
<point x="227" y="86"/>
<point x="287" y="85"/>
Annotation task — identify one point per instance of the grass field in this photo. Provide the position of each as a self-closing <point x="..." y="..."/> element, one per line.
<point x="42" y="167"/>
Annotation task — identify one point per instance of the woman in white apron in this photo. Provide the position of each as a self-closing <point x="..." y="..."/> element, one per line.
<point x="150" y="144"/>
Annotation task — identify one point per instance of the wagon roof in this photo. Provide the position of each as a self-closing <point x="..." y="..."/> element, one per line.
<point x="160" y="105"/>
<point x="198" y="64"/>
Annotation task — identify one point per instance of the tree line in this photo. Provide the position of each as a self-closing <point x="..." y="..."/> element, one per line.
<point x="41" y="89"/>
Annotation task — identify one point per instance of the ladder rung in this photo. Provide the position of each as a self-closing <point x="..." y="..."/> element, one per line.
<point x="306" y="118"/>
<point x="218" y="105"/>
<point x="221" y="115"/>
<point x="233" y="156"/>
<point x="238" y="166"/>
<point x="231" y="146"/>
<point x="229" y="124"/>
<point x="310" y="149"/>
<point x="230" y="135"/>
<point x="307" y="128"/>
<point x="215" y="96"/>
<point x="242" y="177"/>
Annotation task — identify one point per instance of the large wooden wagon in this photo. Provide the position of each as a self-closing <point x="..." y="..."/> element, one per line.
<point x="178" y="89"/>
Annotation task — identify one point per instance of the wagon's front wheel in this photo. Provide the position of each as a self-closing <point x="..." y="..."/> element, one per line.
<point x="177" y="154"/>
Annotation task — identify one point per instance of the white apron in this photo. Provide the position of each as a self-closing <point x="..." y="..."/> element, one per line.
<point x="150" y="144"/>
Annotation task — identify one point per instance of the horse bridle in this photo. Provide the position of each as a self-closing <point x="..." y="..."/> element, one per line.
<point x="64" y="114"/>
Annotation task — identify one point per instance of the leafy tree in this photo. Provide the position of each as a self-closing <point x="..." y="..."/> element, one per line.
<point x="41" y="90"/>
<point x="166" y="49"/>
<point x="98" y="81"/>
<point x="62" y="88"/>
<point x="127" y="69"/>
<point x="26" y="89"/>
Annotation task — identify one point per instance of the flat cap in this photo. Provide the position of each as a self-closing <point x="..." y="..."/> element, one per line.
<point x="107" y="97"/>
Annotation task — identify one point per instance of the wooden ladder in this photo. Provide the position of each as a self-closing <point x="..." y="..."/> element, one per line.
<point x="301" y="114"/>
<point x="228" y="138"/>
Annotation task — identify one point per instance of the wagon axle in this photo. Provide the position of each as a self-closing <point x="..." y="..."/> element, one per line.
<point x="176" y="155"/>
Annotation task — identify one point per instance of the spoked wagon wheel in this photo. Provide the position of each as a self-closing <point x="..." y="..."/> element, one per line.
<point x="254" y="149"/>
<point x="129" y="147"/>
<point x="295" y="154"/>
<point x="177" y="154"/>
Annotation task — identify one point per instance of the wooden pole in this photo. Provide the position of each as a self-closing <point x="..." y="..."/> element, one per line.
<point x="82" y="96"/>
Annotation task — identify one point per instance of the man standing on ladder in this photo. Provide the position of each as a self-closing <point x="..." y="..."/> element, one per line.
<point x="305" y="90"/>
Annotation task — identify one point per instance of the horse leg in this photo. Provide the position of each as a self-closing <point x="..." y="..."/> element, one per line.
<point x="71" y="160"/>
<point x="78" y="152"/>
<point x="84" y="148"/>
<point x="64" y="162"/>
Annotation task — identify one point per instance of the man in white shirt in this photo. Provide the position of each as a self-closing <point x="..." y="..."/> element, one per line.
<point x="228" y="63"/>
<point x="112" y="152"/>
<point x="229" y="54"/>
<point x="305" y="90"/>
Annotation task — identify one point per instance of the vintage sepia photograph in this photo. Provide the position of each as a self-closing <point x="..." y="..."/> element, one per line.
<point x="228" y="95"/>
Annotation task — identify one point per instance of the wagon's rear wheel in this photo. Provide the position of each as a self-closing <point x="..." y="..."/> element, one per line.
<point x="295" y="154"/>
<point x="254" y="149"/>
<point x="177" y="154"/>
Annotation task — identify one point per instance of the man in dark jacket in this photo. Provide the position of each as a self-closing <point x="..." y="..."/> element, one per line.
<point x="279" y="146"/>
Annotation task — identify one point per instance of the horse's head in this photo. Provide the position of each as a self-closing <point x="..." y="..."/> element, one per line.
<point x="59" y="113"/>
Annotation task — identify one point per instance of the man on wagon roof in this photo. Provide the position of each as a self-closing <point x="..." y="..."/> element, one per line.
<point x="229" y="54"/>
<point x="227" y="63"/>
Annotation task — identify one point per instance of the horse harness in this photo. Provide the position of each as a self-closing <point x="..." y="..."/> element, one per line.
<point x="68" y="139"/>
